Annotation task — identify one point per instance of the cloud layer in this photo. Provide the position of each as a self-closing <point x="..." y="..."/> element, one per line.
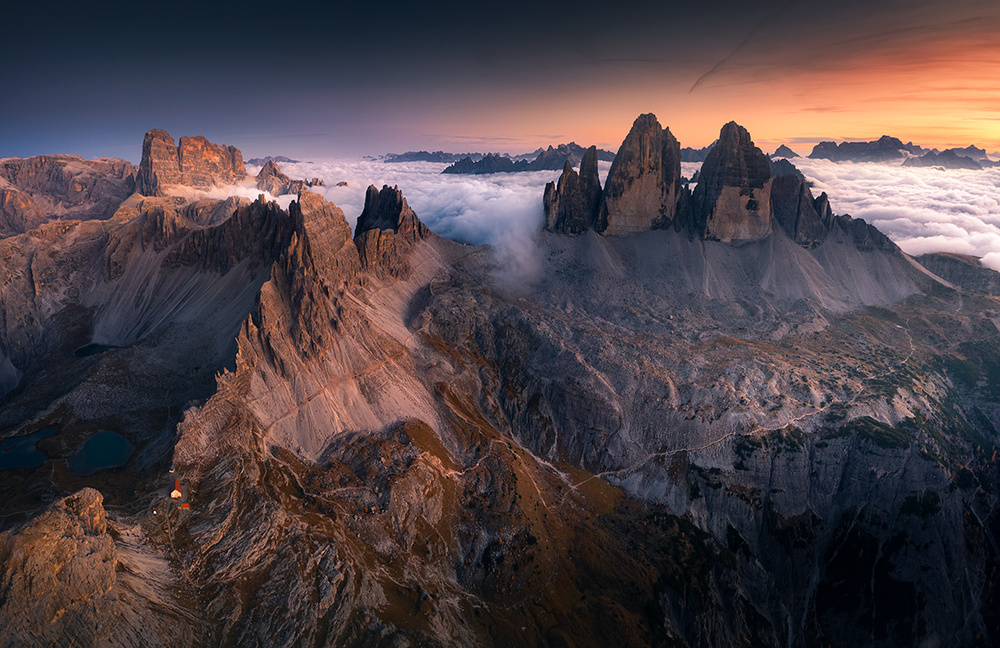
<point x="503" y="210"/>
<point x="923" y="210"/>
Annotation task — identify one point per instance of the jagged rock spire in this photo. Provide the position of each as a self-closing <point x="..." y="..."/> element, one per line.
<point x="643" y="186"/>
<point x="733" y="199"/>
<point x="386" y="229"/>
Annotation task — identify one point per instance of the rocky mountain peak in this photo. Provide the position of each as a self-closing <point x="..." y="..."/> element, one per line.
<point x="194" y="162"/>
<point x="272" y="180"/>
<point x="643" y="186"/>
<point x="785" y="152"/>
<point x="795" y="210"/>
<point x="572" y="206"/>
<point x="386" y="228"/>
<point x="733" y="197"/>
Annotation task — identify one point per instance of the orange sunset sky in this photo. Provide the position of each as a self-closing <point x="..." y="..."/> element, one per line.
<point x="342" y="79"/>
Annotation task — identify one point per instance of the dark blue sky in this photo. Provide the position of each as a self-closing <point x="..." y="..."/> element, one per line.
<point x="325" y="79"/>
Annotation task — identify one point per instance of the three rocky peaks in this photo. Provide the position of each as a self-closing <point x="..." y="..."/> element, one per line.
<point x="740" y="195"/>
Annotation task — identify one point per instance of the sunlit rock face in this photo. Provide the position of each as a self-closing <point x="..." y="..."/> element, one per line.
<point x="195" y="162"/>
<point x="643" y="186"/>
<point x="48" y="187"/>
<point x="733" y="197"/>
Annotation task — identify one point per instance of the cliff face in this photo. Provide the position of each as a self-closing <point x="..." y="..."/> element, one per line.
<point x="195" y="162"/>
<point x="64" y="580"/>
<point x="272" y="180"/>
<point x="573" y="205"/>
<point x="36" y="189"/>
<point x="733" y="197"/>
<point x="643" y="186"/>
<point x="798" y="213"/>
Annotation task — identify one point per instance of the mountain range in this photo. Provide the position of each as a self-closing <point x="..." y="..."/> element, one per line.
<point x="724" y="416"/>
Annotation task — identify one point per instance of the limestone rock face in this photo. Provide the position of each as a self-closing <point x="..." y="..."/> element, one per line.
<point x="964" y="271"/>
<point x="63" y="581"/>
<point x="566" y="209"/>
<point x="795" y="209"/>
<point x="386" y="228"/>
<point x="328" y="234"/>
<point x="590" y="181"/>
<point x="275" y="182"/>
<point x="643" y="186"/>
<point x="733" y="198"/>
<point x="18" y="212"/>
<point x="195" y="162"/>
<point x="62" y="187"/>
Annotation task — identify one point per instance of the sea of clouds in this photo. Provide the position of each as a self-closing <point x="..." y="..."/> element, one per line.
<point x="501" y="209"/>
<point x="921" y="209"/>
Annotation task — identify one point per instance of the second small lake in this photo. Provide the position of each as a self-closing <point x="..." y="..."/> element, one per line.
<point x="20" y="452"/>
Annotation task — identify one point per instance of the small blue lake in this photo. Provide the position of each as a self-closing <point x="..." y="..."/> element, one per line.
<point x="20" y="452"/>
<point x="105" y="449"/>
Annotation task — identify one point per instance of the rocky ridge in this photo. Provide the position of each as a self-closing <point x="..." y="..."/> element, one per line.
<point x="666" y="439"/>
<point x="549" y="159"/>
<point x="272" y="180"/>
<point x="883" y="149"/>
<point x="947" y="159"/>
<point x="37" y="189"/>
<point x="741" y="195"/>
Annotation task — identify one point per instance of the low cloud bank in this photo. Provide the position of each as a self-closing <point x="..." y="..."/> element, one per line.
<point x="503" y="209"/>
<point x="921" y="209"/>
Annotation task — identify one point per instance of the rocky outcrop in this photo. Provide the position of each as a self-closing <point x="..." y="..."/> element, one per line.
<point x="194" y="162"/>
<point x="63" y="187"/>
<point x="689" y="154"/>
<point x="386" y="229"/>
<point x="784" y="152"/>
<point x="64" y="581"/>
<point x="884" y="149"/>
<point x="794" y="208"/>
<point x="963" y="271"/>
<point x="949" y="159"/>
<point x="18" y="212"/>
<point x="272" y="180"/>
<point x="572" y="205"/>
<point x="732" y="201"/>
<point x="644" y="184"/>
